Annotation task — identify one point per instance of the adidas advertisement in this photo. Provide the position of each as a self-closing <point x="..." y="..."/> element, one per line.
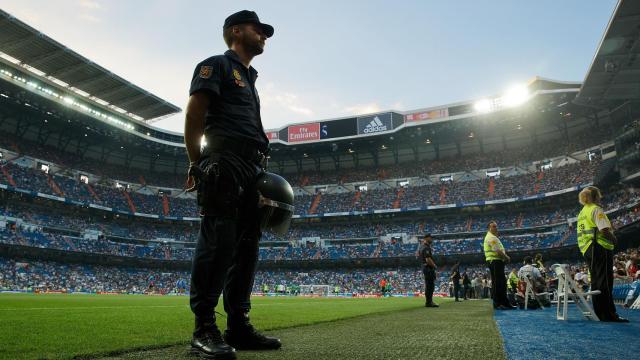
<point x="374" y="124"/>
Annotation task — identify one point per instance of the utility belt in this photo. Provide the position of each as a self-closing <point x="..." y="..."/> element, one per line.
<point x="246" y="150"/>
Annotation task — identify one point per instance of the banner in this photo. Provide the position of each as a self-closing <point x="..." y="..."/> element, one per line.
<point x="427" y="115"/>
<point x="272" y="135"/>
<point x="374" y="124"/>
<point x="338" y="128"/>
<point x="306" y="132"/>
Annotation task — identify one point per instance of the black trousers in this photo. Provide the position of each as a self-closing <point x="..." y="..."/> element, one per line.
<point x="600" y="261"/>
<point x="429" y="283"/>
<point x="498" y="283"/>
<point x="226" y="254"/>
<point x="456" y="289"/>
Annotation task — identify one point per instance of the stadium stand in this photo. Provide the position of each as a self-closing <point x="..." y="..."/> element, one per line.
<point x="80" y="179"/>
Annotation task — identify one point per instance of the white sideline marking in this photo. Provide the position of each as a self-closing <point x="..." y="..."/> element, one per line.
<point x="93" y="307"/>
<point x="125" y="307"/>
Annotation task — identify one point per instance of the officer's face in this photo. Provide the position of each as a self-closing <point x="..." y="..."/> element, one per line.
<point x="253" y="39"/>
<point x="427" y="240"/>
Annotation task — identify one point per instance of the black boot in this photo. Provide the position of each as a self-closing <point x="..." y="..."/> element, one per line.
<point x="243" y="336"/>
<point x="207" y="342"/>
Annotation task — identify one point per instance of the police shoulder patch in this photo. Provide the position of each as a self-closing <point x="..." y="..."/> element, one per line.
<point x="206" y="71"/>
<point x="236" y="74"/>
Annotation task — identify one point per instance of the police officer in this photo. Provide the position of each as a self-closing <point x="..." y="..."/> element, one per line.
<point x="596" y="242"/>
<point x="496" y="257"/>
<point x="225" y="108"/>
<point x="428" y="270"/>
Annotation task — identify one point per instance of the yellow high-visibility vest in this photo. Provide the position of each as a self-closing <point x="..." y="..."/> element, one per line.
<point x="587" y="229"/>
<point x="489" y="254"/>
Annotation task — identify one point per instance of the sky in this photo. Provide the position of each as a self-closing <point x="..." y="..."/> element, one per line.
<point x="330" y="58"/>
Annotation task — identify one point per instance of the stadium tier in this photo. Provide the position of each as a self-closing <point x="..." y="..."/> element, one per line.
<point x="32" y="226"/>
<point x="47" y="276"/>
<point x="91" y="179"/>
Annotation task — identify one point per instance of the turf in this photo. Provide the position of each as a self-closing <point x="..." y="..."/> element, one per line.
<point x="454" y="331"/>
<point x="64" y="326"/>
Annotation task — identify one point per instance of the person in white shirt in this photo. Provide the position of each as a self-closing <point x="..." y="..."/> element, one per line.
<point x="529" y="271"/>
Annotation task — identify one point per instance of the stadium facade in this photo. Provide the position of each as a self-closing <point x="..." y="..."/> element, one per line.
<point x="88" y="179"/>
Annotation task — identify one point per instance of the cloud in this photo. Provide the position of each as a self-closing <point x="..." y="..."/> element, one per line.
<point x="274" y="98"/>
<point x="90" y="4"/>
<point x="360" y="109"/>
<point x="88" y="10"/>
<point x="90" y="18"/>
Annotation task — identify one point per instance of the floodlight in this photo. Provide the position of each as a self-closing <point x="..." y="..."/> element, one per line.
<point x="515" y="96"/>
<point x="482" y="106"/>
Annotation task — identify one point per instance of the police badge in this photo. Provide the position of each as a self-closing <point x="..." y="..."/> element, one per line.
<point x="206" y="71"/>
<point x="236" y="74"/>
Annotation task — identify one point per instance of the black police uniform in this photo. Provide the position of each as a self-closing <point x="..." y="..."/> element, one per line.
<point x="429" y="273"/>
<point x="226" y="253"/>
<point x="456" y="283"/>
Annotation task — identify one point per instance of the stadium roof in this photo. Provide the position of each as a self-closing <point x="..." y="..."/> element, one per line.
<point x="614" y="75"/>
<point x="35" y="49"/>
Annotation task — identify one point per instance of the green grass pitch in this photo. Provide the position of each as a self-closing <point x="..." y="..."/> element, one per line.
<point x="132" y="326"/>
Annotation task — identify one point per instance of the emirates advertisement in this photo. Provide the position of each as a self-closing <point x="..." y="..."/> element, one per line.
<point x="306" y="132"/>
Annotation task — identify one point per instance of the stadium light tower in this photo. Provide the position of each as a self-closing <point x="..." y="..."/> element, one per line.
<point x="515" y="96"/>
<point x="482" y="106"/>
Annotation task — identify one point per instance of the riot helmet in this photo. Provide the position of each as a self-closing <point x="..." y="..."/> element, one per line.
<point x="275" y="203"/>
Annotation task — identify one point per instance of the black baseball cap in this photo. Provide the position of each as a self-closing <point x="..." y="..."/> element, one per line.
<point x="427" y="235"/>
<point x="245" y="17"/>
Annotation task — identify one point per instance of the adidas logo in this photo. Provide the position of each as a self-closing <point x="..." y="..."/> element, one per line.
<point x="375" y="126"/>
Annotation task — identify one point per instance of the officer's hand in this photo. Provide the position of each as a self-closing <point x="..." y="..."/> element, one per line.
<point x="192" y="184"/>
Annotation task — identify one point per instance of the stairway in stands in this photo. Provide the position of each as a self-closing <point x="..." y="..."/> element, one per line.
<point x="356" y="199"/>
<point x="72" y="246"/>
<point x="132" y="207"/>
<point x="165" y="205"/>
<point x="54" y="186"/>
<point x="8" y="176"/>
<point x="315" y="203"/>
<point x="469" y="224"/>
<point x="93" y="193"/>
<point x="539" y="179"/>
<point x="443" y="194"/>
<point x="492" y="187"/>
<point x="397" y="201"/>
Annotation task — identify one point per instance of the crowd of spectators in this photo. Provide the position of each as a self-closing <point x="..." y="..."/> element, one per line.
<point x="454" y="191"/>
<point x="30" y="275"/>
<point x="69" y="160"/>
<point x="38" y="229"/>
<point x="99" y="193"/>
<point x="399" y="249"/>
<point x="409" y="197"/>
<point x="35" y="237"/>
<point x="104" y="192"/>
<point x="504" y="158"/>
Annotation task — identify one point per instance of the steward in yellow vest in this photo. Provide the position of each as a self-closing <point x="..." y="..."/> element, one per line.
<point x="596" y="242"/>
<point x="496" y="257"/>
